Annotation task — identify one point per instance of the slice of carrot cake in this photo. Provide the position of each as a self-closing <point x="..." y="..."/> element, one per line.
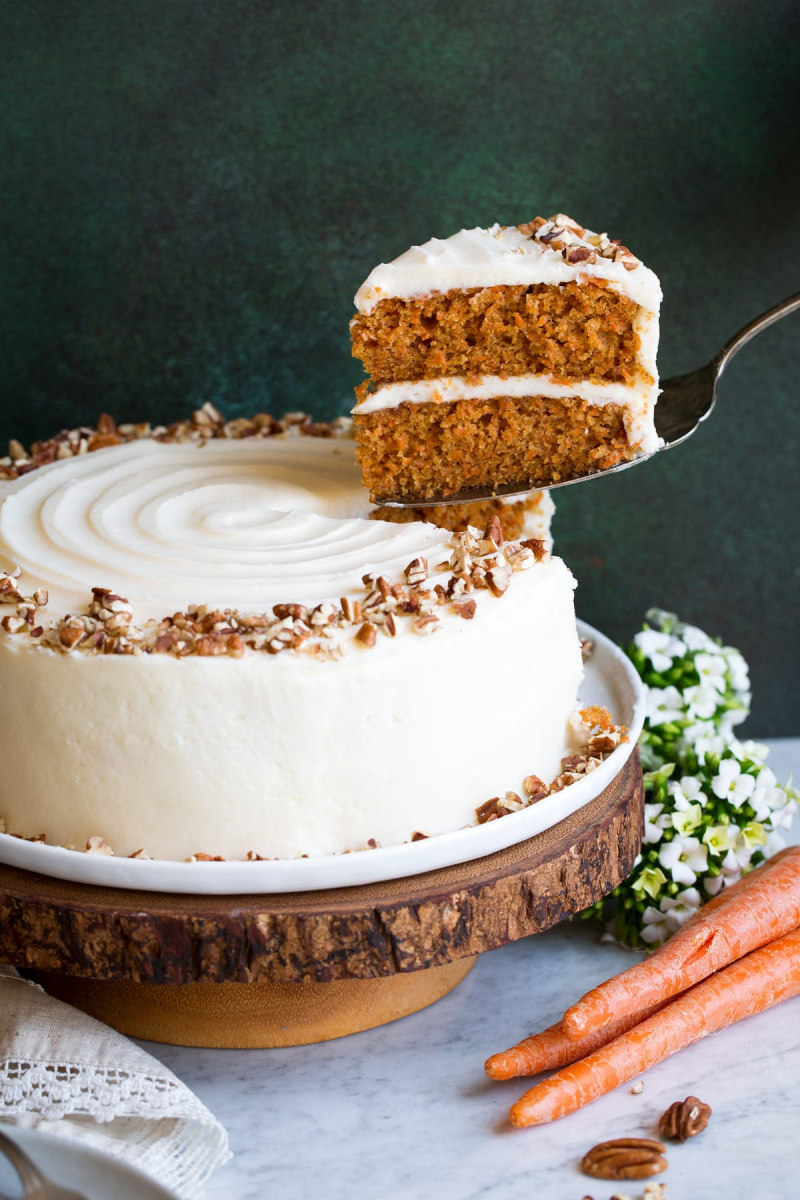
<point x="506" y="359"/>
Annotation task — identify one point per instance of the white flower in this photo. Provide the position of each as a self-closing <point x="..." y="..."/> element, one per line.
<point x="730" y="784"/>
<point x="701" y="700"/>
<point x="687" y="790"/>
<point x="681" y="908"/>
<point x="731" y="868"/>
<point x="754" y="751"/>
<point x="654" y="823"/>
<point x="704" y="739"/>
<point x="664" y="705"/>
<point x="695" y="639"/>
<point x="721" y="838"/>
<point x="683" y="857"/>
<point x="767" y="797"/>
<point x="700" y="729"/>
<point x="706" y="746"/>
<point x="734" y="716"/>
<point x="660" y="648"/>
<point x="738" y="671"/>
<point x="715" y="883"/>
<point x="711" y="669"/>
<point x="774" y="843"/>
<point x="687" y="819"/>
<point x="782" y="818"/>
<point x="751" y="837"/>
<point x="655" y="928"/>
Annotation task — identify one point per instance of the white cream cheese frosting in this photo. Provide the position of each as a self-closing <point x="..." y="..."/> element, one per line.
<point x="498" y="256"/>
<point x="242" y="524"/>
<point x="280" y="755"/>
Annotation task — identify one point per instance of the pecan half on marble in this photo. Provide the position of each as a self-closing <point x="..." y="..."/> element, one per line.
<point x="684" y="1119"/>
<point x="625" y="1158"/>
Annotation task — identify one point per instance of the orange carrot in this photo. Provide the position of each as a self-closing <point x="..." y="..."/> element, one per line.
<point x="552" y="1048"/>
<point x="763" y="978"/>
<point x="761" y="907"/>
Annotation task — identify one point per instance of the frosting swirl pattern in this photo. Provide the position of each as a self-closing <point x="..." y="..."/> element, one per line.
<point x="242" y="524"/>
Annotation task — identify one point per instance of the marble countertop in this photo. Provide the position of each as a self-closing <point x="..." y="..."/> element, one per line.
<point x="405" y="1112"/>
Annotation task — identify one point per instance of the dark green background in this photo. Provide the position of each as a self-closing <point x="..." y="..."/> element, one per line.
<point x="191" y="192"/>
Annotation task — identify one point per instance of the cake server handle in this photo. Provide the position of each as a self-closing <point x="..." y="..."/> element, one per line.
<point x="734" y="344"/>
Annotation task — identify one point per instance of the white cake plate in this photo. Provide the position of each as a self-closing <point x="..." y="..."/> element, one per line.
<point x="610" y="680"/>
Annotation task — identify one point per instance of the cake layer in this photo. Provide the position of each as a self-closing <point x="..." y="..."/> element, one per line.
<point x="429" y="450"/>
<point x="636" y="402"/>
<point x="572" y="332"/>
<point x="131" y="716"/>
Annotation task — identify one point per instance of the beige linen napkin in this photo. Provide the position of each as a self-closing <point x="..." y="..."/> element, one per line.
<point x="65" y="1073"/>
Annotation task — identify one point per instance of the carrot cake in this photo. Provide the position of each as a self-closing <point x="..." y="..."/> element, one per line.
<point x="504" y="359"/>
<point x="222" y="657"/>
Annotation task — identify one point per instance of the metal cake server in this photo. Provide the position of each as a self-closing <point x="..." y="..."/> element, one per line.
<point x="685" y="401"/>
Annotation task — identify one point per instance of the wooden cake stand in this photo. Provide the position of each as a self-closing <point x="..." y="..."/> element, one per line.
<point x="285" y="970"/>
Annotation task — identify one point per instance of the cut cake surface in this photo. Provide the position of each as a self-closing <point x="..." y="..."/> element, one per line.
<point x="511" y="356"/>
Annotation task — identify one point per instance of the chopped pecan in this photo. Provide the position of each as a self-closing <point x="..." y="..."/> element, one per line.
<point x="567" y="223"/>
<point x="494" y="531"/>
<point x="13" y="624"/>
<point x="488" y="811"/>
<point x="417" y="571"/>
<point x="98" y="845"/>
<point x="499" y="806"/>
<point x="537" y="545"/>
<point x="70" y="635"/>
<point x="498" y="579"/>
<point x="535" y="788"/>
<point x="367" y="635"/>
<point x="298" y="612"/>
<point x="579" y="254"/>
<point x="351" y="610"/>
<point x="426" y="624"/>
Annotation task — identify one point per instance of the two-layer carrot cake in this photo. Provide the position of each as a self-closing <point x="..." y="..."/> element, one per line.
<point x="504" y="359"/>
